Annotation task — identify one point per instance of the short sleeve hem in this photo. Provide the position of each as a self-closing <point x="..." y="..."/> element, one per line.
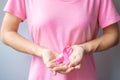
<point x="110" y="21"/>
<point x="15" y="13"/>
<point x="16" y="8"/>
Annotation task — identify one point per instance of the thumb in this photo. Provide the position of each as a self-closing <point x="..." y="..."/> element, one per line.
<point x="74" y="61"/>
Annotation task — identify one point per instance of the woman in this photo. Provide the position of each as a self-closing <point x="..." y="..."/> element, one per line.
<point x="57" y="25"/>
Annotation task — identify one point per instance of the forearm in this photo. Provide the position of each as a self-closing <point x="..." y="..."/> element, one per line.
<point x="107" y="40"/>
<point x="19" y="43"/>
<point x="100" y="44"/>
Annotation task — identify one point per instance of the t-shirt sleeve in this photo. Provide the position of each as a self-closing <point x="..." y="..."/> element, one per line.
<point x="107" y="13"/>
<point x="16" y="8"/>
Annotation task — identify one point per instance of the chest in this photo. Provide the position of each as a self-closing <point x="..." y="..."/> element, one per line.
<point x="59" y="12"/>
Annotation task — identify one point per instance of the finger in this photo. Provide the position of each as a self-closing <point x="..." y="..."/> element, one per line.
<point x="52" y="65"/>
<point x="70" y="69"/>
<point x="60" y="68"/>
<point x="73" y="63"/>
<point x="77" y="66"/>
<point x="67" y="71"/>
<point x="54" y="73"/>
<point x="54" y="60"/>
<point x="75" y="59"/>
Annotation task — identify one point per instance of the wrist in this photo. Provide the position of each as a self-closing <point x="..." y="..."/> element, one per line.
<point x="86" y="48"/>
<point x="38" y="51"/>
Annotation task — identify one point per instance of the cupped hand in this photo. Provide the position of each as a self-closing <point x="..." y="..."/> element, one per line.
<point x="49" y="58"/>
<point x="75" y="59"/>
<point x="76" y="56"/>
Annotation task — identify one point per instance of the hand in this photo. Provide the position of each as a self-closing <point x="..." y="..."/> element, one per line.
<point x="49" y="58"/>
<point x="75" y="58"/>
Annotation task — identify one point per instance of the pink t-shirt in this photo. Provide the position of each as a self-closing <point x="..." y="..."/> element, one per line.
<point x="54" y="24"/>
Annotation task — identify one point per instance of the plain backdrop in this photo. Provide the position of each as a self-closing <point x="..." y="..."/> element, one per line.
<point x="15" y="65"/>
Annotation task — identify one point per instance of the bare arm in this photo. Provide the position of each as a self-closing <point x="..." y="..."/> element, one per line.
<point x="108" y="39"/>
<point x="10" y="36"/>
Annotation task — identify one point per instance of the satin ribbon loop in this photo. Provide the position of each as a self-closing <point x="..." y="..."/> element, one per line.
<point x="65" y="58"/>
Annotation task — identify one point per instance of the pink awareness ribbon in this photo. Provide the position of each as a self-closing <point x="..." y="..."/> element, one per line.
<point x="65" y="58"/>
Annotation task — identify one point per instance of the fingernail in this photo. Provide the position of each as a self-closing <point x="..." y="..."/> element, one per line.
<point x="78" y="67"/>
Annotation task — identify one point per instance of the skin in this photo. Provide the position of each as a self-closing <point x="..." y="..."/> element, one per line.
<point x="10" y="26"/>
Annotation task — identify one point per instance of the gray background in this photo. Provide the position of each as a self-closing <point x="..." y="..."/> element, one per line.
<point x="15" y="65"/>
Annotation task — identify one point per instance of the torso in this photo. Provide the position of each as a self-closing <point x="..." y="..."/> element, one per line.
<point x="56" y="23"/>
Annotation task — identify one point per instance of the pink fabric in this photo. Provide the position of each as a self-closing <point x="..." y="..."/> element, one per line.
<point x="54" y="24"/>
